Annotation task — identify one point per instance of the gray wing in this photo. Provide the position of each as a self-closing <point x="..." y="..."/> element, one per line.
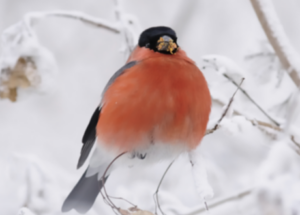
<point x="118" y="73"/>
<point x="90" y="135"/>
<point x="83" y="195"/>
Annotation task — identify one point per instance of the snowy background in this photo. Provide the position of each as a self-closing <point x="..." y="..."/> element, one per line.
<point x="252" y="169"/>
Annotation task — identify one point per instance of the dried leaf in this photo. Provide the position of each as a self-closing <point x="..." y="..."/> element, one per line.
<point x="134" y="211"/>
<point x="23" y="75"/>
<point x="124" y="212"/>
<point x="141" y="212"/>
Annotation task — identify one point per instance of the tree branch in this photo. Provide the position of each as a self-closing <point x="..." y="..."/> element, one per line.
<point x="223" y="200"/>
<point x="252" y="100"/>
<point x="32" y="17"/>
<point x="261" y="125"/>
<point x="210" y="131"/>
<point x="288" y="57"/>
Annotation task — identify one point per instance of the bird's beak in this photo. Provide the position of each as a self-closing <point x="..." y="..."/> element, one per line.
<point x="165" y="43"/>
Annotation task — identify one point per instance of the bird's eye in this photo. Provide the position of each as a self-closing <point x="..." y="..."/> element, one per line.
<point x="147" y="45"/>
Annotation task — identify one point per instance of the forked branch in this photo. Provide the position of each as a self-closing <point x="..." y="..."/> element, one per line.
<point x="210" y="131"/>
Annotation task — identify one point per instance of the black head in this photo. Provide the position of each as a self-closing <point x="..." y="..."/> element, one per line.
<point x="160" y="39"/>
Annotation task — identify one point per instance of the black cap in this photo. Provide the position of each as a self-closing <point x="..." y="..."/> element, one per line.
<point x="150" y="36"/>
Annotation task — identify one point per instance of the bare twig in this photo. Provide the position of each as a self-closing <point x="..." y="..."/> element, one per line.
<point x="253" y="121"/>
<point x="213" y="63"/>
<point x="297" y="145"/>
<point x="105" y="196"/>
<point x="260" y="54"/>
<point x="223" y="200"/>
<point x="210" y="131"/>
<point x="274" y="31"/>
<point x="252" y="100"/>
<point x="262" y="126"/>
<point x="120" y="198"/>
<point x="294" y="141"/>
<point x="155" y="195"/>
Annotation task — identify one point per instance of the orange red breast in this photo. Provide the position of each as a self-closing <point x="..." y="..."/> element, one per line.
<point x="162" y="99"/>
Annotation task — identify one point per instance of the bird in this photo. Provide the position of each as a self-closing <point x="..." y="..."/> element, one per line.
<point x="153" y="108"/>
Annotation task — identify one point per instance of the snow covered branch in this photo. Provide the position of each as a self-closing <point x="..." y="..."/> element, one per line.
<point x="203" y="188"/>
<point x="24" y="62"/>
<point x="228" y="69"/>
<point x="210" y="131"/>
<point x="31" y="18"/>
<point x="223" y="200"/>
<point x="289" y="58"/>
<point x="126" y="25"/>
<point x="251" y="99"/>
<point x="130" y="28"/>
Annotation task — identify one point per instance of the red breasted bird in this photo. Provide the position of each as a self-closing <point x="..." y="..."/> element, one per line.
<point x="155" y="107"/>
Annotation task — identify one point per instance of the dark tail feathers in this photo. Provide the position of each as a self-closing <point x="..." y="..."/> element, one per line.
<point x="83" y="195"/>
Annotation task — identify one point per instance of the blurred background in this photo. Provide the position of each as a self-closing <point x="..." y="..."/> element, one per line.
<point x="252" y="169"/>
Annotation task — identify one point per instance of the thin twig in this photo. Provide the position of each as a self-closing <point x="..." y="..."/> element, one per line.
<point x="210" y="131"/>
<point x="107" y="202"/>
<point x="223" y="200"/>
<point x="260" y="54"/>
<point x="251" y="99"/>
<point x="105" y="195"/>
<point x="264" y="124"/>
<point x="297" y="148"/>
<point x="120" y="198"/>
<point x="294" y="141"/>
<point x="261" y="125"/>
<point x="253" y="121"/>
<point x="121" y="21"/>
<point x="157" y="190"/>
<point x="206" y="206"/>
<point x="215" y="66"/>
<point x="97" y="22"/>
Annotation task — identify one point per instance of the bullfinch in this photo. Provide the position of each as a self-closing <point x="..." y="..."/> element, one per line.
<point x="155" y="107"/>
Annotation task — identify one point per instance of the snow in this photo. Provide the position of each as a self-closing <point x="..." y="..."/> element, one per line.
<point x="40" y="133"/>
<point x="278" y="177"/>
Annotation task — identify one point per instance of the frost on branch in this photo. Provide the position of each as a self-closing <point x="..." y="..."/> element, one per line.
<point x="24" y="63"/>
<point x="200" y="175"/>
<point x="288" y="56"/>
<point x="224" y="65"/>
<point x="265" y="65"/>
<point x="232" y="72"/>
<point x="129" y="29"/>
<point x="127" y="25"/>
